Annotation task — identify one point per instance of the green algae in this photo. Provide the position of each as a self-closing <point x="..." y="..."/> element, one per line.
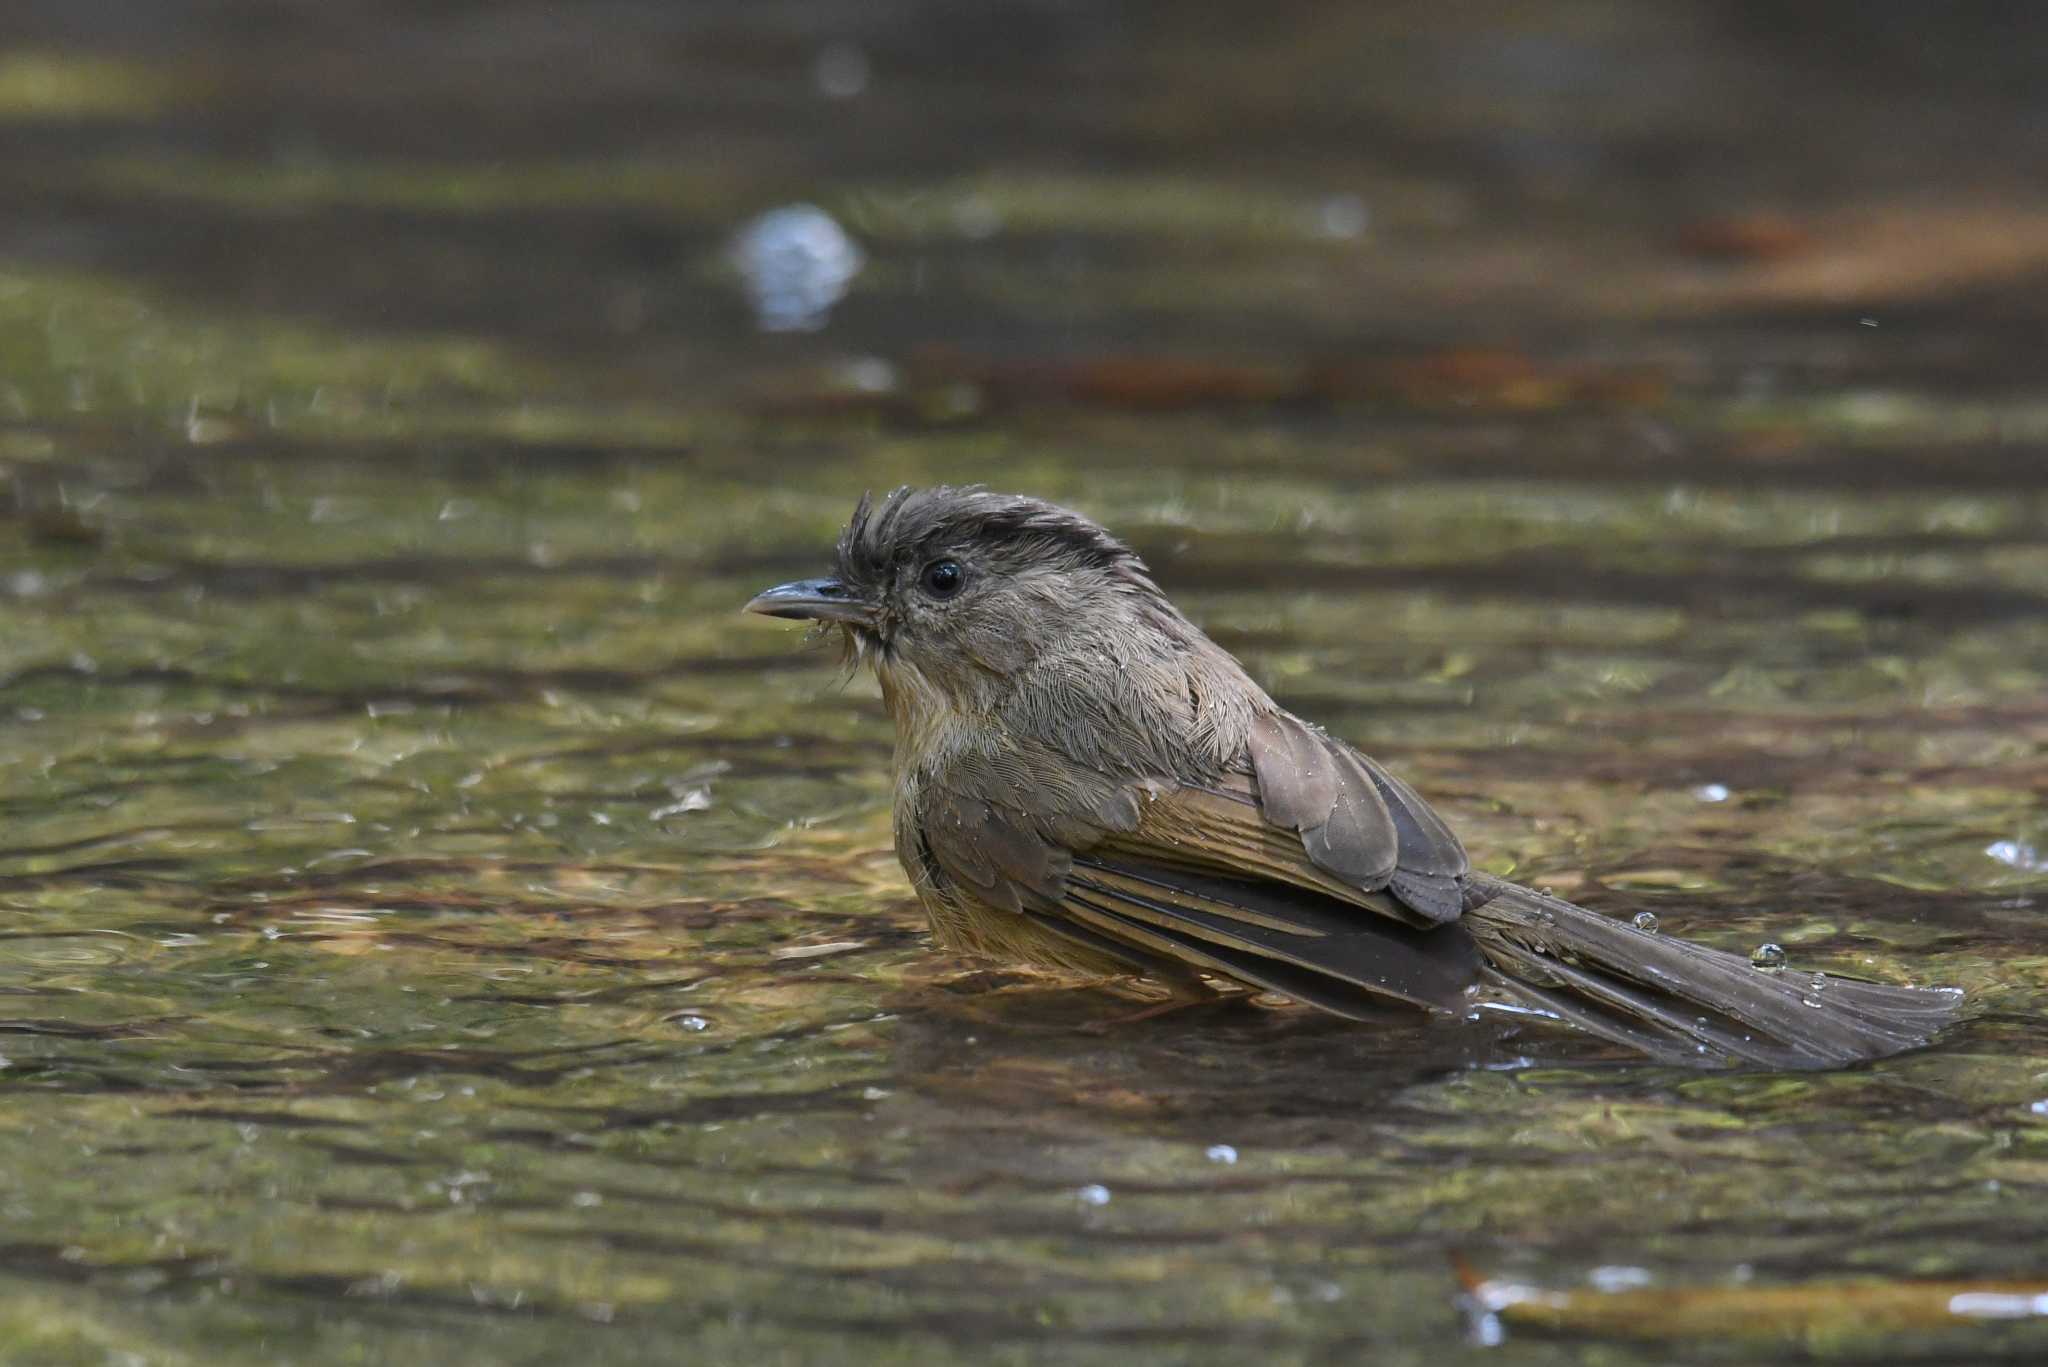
<point x="457" y="188"/>
<point x="74" y="343"/>
<point x="49" y="85"/>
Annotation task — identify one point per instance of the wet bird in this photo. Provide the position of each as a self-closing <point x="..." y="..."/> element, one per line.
<point x="1085" y="782"/>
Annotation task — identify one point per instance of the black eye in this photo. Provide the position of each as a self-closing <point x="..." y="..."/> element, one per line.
<point x="942" y="578"/>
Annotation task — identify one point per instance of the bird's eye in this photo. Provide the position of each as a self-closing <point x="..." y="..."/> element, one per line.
<point x="943" y="578"/>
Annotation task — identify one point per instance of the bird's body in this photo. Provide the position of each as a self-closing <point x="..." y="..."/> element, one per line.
<point x="1084" y="781"/>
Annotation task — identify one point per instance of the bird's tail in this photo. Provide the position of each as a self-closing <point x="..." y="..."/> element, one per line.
<point x="1686" y="1003"/>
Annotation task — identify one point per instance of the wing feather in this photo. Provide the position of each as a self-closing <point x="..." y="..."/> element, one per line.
<point x="1310" y="871"/>
<point x="1323" y="792"/>
<point x="1356" y="821"/>
<point x="1286" y="926"/>
<point x="1427" y="844"/>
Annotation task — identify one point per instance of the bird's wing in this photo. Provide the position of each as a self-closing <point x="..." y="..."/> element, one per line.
<point x="1207" y="876"/>
<point x="1001" y="825"/>
<point x="1357" y="823"/>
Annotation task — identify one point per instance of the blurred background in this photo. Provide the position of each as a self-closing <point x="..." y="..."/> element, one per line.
<point x="436" y="927"/>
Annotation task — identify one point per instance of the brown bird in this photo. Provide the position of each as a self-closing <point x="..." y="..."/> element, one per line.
<point x="1086" y="782"/>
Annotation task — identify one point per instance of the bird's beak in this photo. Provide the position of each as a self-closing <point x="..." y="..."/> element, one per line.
<point x="816" y="600"/>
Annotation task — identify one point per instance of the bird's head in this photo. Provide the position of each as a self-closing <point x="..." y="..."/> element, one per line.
<point x="955" y="592"/>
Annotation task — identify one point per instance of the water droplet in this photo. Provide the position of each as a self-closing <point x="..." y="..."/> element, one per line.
<point x="2018" y="855"/>
<point x="1768" y="956"/>
<point x="841" y="71"/>
<point x="1343" y="216"/>
<point x="1997" y="1305"/>
<point x="1094" y="1194"/>
<point x="1546" y="917"/>
<point x="1221" y="1153"/>
<point x="1711" y="792"/>
<point x="797" y="262"/>
<point x="693" y="1023"/>
<point x="1646" y="922"/>
<point x="867" y="375"/>
<point x="695" y="800"/>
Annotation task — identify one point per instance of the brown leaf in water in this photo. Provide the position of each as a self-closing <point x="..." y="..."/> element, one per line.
<point x="1762" y="236"/>
<point x="1474" y="377"/>
<point x="1150" y="382"/>
<point x="1811" y="1310"/>
<point x="1887" y="255"/>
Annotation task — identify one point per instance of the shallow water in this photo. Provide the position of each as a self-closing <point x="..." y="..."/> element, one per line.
<point x="438" y="927"/>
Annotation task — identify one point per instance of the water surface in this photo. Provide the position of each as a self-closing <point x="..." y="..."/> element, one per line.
<point x="438" y="927"/>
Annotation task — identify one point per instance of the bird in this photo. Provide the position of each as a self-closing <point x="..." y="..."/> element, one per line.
<point x="1085" y="783"/>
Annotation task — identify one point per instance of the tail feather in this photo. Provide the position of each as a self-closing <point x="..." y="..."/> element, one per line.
<point x="1686" y="1003"/>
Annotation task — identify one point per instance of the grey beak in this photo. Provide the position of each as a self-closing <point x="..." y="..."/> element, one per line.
<point x="815" y="600"/>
